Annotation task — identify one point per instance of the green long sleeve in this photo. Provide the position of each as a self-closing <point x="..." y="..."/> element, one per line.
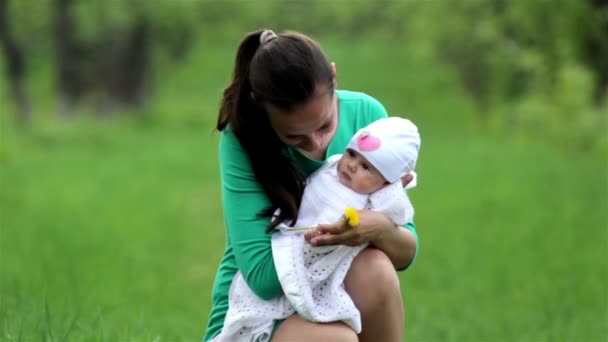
<point x="248" y="246"/>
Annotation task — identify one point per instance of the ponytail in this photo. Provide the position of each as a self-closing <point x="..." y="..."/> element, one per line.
<point x="237" y="96"/>
<point x="270" y="58"/>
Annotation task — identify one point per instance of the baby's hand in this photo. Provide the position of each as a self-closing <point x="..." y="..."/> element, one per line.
<point x="372" y="226"/>
<point x="330" y="234"/>
<point x="405" y="180"/>
<point x="312" y="233"/>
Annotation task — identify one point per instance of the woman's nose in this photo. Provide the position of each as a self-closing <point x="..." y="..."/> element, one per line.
<point x="314" y="142"/>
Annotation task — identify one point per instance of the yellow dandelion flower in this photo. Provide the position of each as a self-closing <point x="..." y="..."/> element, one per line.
<point x="351" y="216"/>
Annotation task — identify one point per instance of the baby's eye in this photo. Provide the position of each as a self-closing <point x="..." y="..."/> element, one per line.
<point x="365" y="166"/>
<point x="351" y="153"/>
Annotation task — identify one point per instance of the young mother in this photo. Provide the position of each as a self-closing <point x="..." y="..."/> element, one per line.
<point x="280" y="118"/>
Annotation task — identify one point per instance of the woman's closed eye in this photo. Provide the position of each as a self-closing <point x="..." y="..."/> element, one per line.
<point x="298" y="137"/>
<point x="294" y="139"/>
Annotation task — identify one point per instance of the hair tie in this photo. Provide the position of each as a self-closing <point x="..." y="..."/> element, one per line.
<point x="267" y="36"/>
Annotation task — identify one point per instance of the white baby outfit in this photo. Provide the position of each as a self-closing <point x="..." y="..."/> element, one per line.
<point x="312" y="278"/>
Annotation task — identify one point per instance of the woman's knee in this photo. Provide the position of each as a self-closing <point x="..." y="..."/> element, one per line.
<point x="373" y="277"/>
<point x="296" y="329"/>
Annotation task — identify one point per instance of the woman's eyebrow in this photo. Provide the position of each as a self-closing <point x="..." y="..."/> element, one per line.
<point x="326" y="122"/>
<point x="328" y="119"/>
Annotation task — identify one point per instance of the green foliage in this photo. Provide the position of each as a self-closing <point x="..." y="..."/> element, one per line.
<point x="114" y="232"/>
<point x="31" y="23"/>
<point x="509" y="57"/>
<point x="520" y="62"/>
<point x="564" y="118"/>
<point x="113" y="229"/>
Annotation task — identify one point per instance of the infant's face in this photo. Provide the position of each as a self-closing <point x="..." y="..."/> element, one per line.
<point x="357" y="173"/>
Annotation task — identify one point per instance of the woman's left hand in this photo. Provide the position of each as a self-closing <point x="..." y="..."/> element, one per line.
<point x="372" y="226"/>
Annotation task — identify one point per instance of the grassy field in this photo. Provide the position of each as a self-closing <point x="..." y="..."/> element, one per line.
<point x="112" y="230"/>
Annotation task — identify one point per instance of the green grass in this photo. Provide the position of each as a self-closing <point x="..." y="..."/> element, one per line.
<point x="514" y="244"/>
<point x="112" y="230"/>
<point x="110" y="237"/>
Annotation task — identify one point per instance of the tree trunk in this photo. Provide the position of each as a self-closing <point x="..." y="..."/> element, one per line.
<point x="15" y="66"/>
<point x="124" y="66"/>
<point x="71" y="83"/>
<point x="595" y="49"/>
<point x="135" y="64"/>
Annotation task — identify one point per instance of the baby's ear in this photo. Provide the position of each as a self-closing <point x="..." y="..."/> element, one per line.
<point x="405" y="180"/>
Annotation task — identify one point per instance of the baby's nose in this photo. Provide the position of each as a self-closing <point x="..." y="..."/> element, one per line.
<point x="352" y="166"/>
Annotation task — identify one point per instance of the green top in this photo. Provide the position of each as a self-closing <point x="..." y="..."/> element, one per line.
<point x="248" y="247"/>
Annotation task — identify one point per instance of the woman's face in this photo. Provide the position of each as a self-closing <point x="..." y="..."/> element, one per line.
<point x="308" y="127"/>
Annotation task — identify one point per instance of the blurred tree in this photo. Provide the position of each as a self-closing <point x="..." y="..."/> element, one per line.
<point x="466" y="40"/>
<point x="595" y="47"/>
<point x="124" y="63"/>
<point x="501" y="49"/>
<point x="526" y="65"/>
<point x="15" y="65"/>
<point x="71" y="56"/>
<point x="366" y="17"/>
<point x="106" y="49"/>
<point x="109" y="57"/>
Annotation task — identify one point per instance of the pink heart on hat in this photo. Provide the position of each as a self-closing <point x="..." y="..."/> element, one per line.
<point x="367" y="142"/>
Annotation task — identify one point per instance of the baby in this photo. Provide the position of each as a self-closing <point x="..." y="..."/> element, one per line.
<point x="367" y="176"/>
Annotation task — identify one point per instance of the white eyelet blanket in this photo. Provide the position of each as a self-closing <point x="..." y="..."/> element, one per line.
<point x="312" y="278"/>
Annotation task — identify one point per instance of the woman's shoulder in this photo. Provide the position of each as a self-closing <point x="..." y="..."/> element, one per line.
<point x="355" y="96"/>
<point x="229" y="141"/>
<point x="360" y="106"/>
<point x="230" y="149"/>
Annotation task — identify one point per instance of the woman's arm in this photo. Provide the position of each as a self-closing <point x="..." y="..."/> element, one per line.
<point x="243" y="198"/>
<point x="398" y="243"/>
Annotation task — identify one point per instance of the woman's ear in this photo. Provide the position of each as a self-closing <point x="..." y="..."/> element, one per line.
<point x="334" y="74"/>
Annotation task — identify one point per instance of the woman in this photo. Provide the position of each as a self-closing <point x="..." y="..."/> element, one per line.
<point x="280" y="118"/>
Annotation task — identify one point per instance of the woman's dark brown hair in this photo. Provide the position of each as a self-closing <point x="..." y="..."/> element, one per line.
<point x="284" y="72"/>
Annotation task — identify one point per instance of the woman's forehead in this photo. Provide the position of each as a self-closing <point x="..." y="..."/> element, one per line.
<point x="306" y="118"/>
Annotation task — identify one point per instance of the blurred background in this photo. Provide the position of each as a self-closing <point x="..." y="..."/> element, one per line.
<point x="111" y="226"/>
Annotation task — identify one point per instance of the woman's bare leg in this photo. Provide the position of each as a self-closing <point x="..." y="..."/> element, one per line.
<point x="374" y="287"/>
<point x="297" y="329"/>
